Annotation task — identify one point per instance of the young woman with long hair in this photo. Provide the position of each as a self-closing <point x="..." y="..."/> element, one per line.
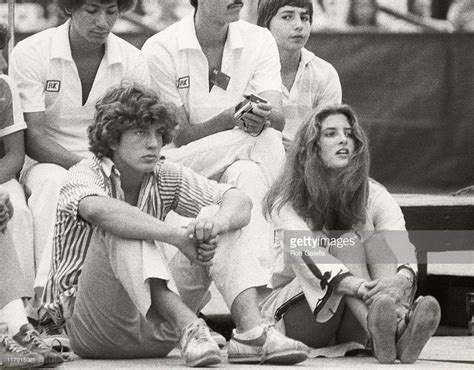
<point x="344" y="267"/>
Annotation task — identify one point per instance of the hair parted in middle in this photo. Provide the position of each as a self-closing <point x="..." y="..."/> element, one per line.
<point x="69" y="5"/>
<point x="304" y="182"/>
<point x="124" y="107"/>
<point x="267" y="9"/>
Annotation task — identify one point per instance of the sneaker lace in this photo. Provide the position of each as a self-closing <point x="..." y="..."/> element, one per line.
<point x="32" y="336"/>
<point x="195" y="330"/>
<point x="11" y="345"/>
<point x="202" y="334"/>
<point x="51" y="329"/>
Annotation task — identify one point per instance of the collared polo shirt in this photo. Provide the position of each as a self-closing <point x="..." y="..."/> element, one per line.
<point x="170" y="187"/>
<point x="48" y="81"/>
<point x="316" y="85"/>
<point x="180" y="72"/>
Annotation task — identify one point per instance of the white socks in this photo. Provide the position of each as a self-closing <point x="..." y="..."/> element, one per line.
<point x="253" y="333"/>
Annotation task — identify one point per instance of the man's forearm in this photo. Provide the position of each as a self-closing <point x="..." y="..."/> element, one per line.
<point x="235" y="209"/>
<point x="44" y="150"/>
<point x="188" y="132"/>
<point x="10" y="166"/>
<point x="126" y="221"/>
<point x="277" y="120"/>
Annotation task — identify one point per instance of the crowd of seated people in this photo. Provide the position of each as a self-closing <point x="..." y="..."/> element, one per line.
<point x="152" y="173"/>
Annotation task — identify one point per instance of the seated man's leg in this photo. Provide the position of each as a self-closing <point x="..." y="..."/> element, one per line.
<point x="248" y="177"/>
<point x="212" y="155"/>
<point x="13" y="288"/>
<point x="126" y="305"/>
<point x="21" y="231"/>
<point x="13" y="285"/>
<point x="237" y="274"/>
<point x="43" y="181"/>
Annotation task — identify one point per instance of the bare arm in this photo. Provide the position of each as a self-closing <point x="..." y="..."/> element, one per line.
<point x="233" y="214"/>
<point x="188" y="132"/>
<point x="43" y="149"/>
<point x="255" y="121"/>
<point x="12" y="161"/>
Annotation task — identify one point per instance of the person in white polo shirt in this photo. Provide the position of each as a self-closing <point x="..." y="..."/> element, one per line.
<point x="61" y="73"/>
<point x="12" y="155"/>
<point x="205" y="64"/>
<point x="309" y="82"/>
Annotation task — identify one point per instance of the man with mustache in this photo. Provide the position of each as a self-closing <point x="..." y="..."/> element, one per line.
<point x="205" y="64"/>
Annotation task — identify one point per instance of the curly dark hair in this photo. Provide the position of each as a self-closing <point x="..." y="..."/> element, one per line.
<point x="304" y="185"/>
<point x="67" y="5"/>
<point x="267" y="9"/>
<point x="124" y="107"/>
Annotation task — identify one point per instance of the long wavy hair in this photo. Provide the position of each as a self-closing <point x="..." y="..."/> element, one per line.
<point x="305" y="183"/>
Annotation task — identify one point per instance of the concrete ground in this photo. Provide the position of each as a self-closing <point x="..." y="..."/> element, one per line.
<point x="440" y="352"/>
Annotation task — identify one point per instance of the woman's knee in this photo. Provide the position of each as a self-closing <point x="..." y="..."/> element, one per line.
<point x="349" y="249"/>
<point x="378" y="250"/>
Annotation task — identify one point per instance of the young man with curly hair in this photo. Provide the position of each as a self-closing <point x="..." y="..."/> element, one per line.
<point x="119" y="292"/>
<point x="61" y="73"/>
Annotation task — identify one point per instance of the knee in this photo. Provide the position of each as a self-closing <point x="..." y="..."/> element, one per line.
<point x="246" y="174"/>
<point x="45" y="178"/>
<point x="378" y="250"/>
<point x="349" y="249"/>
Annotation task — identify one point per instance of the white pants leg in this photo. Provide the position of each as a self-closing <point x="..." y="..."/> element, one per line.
<point x="212" y="155"/>
<point x="21" y="230"/>
<point x="248" y="177"/>
<point x="112" y="316"/>
<point x="43" y="181"/>
<point x="235" y="268"/>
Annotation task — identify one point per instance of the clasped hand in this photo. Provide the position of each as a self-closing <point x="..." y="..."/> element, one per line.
<point x="201" y="235"/>
<point x="395" y="286"/>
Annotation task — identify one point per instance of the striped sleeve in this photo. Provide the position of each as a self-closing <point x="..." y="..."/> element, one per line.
<point x="83" y="180"/>
<point x="186" y="192"/>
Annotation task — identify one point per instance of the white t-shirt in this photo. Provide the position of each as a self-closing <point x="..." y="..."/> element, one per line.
<point x="180" y="73"/>
<point x="46" y="75"/>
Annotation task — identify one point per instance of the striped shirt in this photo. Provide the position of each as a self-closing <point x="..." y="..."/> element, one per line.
<point x="316" y="85"/>
<point x="170" y="187"/>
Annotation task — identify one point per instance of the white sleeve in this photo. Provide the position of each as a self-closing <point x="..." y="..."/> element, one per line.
<point x="29" y="74"/>
<point x="267" y="72"/>
<point x="162" y="75"/>
<point x="387" y="216"/>
<point x="138" y="70"/>
<point x="332" y="92"/>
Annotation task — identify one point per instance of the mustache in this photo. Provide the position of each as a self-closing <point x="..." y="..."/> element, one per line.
<point x="237" y="2"/>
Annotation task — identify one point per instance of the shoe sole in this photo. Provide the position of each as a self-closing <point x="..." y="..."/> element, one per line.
<point x="382" y="325"/>
<point x="420" y="329"/>
<point x="210" y="359"/>
<point x="281" y="358"/>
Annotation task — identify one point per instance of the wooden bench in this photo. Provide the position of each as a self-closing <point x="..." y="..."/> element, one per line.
<point x="437" y="212"/>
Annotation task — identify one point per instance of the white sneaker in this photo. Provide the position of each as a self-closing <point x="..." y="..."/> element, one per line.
<point x="197" y="346"/>
<point x="271" y="347"/>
